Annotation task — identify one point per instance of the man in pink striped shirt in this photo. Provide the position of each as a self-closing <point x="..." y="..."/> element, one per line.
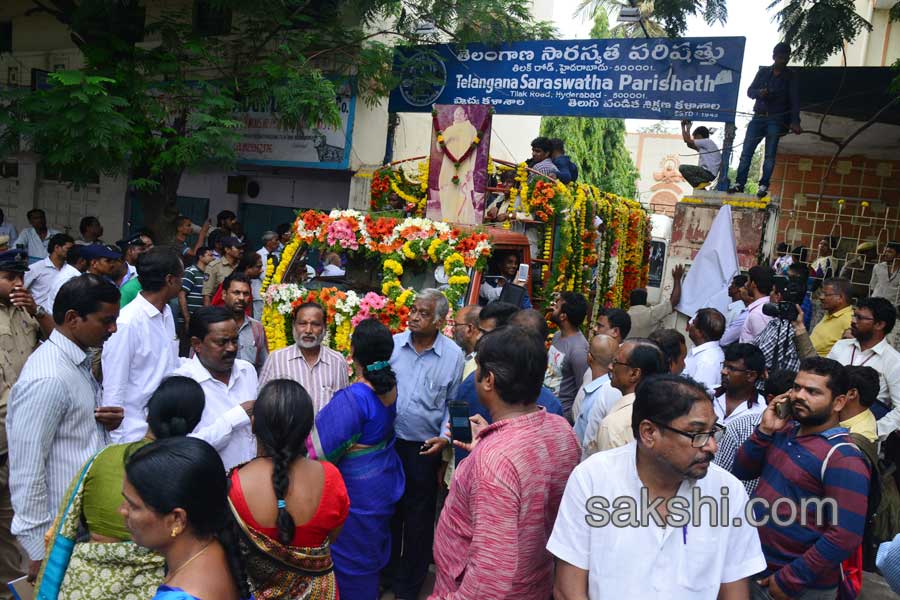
<point x="491" y="537"/>
<point x="319" y="369"/>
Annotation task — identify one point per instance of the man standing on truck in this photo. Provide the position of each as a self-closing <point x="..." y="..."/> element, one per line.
<point x="777" y="94"/>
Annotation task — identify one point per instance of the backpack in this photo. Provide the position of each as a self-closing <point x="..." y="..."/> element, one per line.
<point x="883" y="514"/>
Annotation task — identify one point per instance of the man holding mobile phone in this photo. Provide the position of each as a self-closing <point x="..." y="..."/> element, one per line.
<point x="504" y="499"/>
<point x="509" y="270"/>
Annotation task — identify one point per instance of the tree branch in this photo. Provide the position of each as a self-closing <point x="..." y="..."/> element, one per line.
<point x="846" y="142"/>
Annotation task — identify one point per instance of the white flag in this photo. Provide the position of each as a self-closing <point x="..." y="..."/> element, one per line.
<point x="716" y="264"/>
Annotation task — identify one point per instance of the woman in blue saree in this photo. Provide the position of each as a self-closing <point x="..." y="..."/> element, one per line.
<point x="355" y="431"/>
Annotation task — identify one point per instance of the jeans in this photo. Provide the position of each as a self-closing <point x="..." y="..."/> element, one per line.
<point x="413" y="523"/>
<point x="760" y="127"/>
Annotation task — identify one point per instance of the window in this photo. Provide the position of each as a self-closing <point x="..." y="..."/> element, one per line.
<point x="210" y="19"/>
<point x="9" y="170"/>
<point x="5" y="36"/>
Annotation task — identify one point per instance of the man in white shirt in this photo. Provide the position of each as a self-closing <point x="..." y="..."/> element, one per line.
<point x="665" y="553"/>
<point x="7" y="228"/>
<point x="873" y="319"/>
<point x="647" y="319"/>
<point x="737" y="305"/>
<point x="709" y="158"/>
<point x="270" y="245"/>
<point x="228" y="383"/>
<point x="332" y="265"/>
<point x="35" y="238"/>
<point x="704" y="362"/>
<point x="40" y="277"/>
<point x="144" y="349"/>
<point x="75" y="266"/>
<point x="744" y="365"/>
<point x="737" y="311"/>
<point x="885" y="281"/>
<point x="760" y="280"/>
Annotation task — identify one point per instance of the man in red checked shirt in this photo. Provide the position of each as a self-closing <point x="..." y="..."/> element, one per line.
<point x="491" y="537"/>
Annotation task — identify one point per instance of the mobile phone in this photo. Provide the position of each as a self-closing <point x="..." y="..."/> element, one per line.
<point x="784" y="410"/>
<point x="460" y="428"/>
<point x="522" y="275"/>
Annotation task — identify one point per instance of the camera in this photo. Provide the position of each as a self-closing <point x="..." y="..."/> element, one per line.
<point x="793" y="291"/>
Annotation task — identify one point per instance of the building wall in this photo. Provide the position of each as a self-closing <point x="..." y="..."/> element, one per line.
<point x="878" y="48"/>
<point x="657" y="157"/>
<point x="804" y="220"/>
<point x="40" y="42"/>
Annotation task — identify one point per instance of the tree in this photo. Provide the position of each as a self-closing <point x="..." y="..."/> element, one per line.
<point x="596" y="145"/>
<point x="755" y="171"/>
<point x="659" y="127"/>
<point x="153" y="110"/>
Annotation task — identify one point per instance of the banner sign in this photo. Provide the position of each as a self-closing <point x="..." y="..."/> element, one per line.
<point x="263" y="142"/>
<point x="656" y="78"/>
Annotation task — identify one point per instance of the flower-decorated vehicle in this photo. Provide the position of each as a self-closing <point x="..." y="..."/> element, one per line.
<point x="559" y="231"/>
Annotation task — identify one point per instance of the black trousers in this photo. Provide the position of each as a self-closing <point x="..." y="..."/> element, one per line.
<point x="413" y="524"/>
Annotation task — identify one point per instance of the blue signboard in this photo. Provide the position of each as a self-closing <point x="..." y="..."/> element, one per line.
<point x="656" y="78"/>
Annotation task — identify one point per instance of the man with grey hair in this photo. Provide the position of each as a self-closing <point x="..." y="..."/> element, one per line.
<point x="429" y="368"/>
<point x="270" y="245"/>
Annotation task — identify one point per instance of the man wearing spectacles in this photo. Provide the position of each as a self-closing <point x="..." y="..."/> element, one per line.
<point x="836" y="302"/>
<point x="873" y="319"/>
<point x="635" y="360"/>
<point x="806" y="456"/>
<point x="673" y="423"/>
<point x="743" y="367"/>
<point x="466" y="334"/>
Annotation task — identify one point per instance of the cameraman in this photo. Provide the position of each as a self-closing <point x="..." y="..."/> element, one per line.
<point x="777" y="340"/>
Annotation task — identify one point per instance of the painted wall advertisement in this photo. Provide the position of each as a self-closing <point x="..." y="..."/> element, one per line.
<point x="264" y="142"/>
<point x="656" y="78"/>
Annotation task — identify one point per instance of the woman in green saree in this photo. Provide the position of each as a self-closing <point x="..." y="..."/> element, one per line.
<point x="90" y="553"/>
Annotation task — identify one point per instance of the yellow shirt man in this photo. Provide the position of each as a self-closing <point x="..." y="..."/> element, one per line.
<point x="864" y="424"/>
<point x="830" y="329"/>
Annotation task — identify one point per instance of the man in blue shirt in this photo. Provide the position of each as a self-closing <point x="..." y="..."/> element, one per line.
<point x="489" y="320"/>
<point x="777" y="106"/>
<point x="601" y="352"/>
<point x="429" y="367"/>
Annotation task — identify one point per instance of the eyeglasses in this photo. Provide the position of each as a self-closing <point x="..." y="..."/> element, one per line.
<point x="730" y="369"/>
<point x="699" y="439"/>
<point x="617" y="362"/>
<point x="859" y="317"/>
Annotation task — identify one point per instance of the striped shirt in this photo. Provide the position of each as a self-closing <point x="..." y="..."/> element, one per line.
<point x="52" y="432"/>
<point x="736" y="433"/>
<point x="321" y="380"/>
<point x="806" y="556"/>
<point x="491" y="538"/>
<point x="192" y="284"/>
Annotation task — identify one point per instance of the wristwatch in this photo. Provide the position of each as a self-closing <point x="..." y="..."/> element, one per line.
<point x="40" y="312"/>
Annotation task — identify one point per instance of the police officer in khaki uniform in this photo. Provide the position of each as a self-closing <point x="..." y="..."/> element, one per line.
<point x="22" y="324"/>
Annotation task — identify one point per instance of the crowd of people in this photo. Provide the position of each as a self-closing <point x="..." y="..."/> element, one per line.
<point x="155" y="448"/>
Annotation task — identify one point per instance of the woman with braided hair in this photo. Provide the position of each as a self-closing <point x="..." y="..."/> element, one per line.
<point x="355" y="431"/>
<point x="293" y="507"/>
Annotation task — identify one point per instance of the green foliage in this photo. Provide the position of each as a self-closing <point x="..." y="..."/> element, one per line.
<point x="818" y="30"/>
<point x="153" y="110"/>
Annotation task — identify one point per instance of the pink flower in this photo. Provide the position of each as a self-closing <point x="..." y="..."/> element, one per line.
<point x="341" y="233"/>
